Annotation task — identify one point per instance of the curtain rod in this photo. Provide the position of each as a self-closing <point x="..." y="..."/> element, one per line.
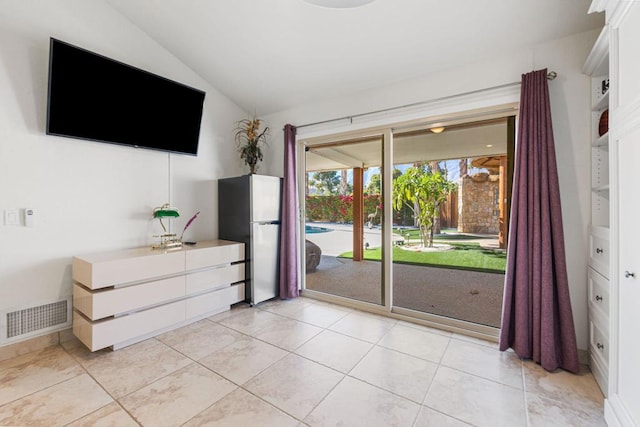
<point x="550" y="76"/>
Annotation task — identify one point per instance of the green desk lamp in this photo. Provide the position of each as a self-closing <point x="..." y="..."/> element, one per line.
<point x="167" y="240"/>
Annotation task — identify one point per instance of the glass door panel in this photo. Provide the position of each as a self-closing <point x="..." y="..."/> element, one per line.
<point x="450" y="201"/>
<point x="343" y="219"/>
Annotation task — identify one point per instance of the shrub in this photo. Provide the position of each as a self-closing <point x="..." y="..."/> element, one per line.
<point x="339" y="209"/>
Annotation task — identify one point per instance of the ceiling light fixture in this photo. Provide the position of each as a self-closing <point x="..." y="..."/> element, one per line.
<point x="339" y="4"/>
<point x="439" y="129"/>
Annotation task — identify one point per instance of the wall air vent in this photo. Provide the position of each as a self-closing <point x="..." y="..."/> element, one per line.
<point x="32" y="321"/>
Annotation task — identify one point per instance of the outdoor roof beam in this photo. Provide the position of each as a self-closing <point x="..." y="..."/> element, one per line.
<point x="338" y="157"/>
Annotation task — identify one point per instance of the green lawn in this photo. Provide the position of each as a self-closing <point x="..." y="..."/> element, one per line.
<point x="414" y="234"/>
<point x="463" y="255"/>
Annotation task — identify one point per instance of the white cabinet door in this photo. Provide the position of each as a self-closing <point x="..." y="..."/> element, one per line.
<point x="627" y="130"/>
<point x="629" y="276"/>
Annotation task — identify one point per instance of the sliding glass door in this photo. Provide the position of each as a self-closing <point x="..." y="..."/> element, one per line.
<point x="428" y="238"/>
<point x="450" y="203"/>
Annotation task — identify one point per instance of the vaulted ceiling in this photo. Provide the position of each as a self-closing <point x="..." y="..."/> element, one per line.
<point x="272" y="55"/>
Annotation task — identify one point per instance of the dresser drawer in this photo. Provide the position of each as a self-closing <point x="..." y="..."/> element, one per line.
<point x="209" y="256"/>
<point x="136" y="265"/>
<point x="238" y="293"/>
<point x="598" y="293"/>
<point x="599" y="250"/>
<point x="105" y="333"/>
<point x="214" y="278"/>
<point x="599" y="340"/>
<point x="109" y="302"/>
<point x="210" y="303"/>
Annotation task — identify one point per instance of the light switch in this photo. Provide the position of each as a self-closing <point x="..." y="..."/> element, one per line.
<point x="11" y="217"/>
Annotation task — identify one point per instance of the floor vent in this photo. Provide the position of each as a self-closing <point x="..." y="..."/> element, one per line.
<point x="34" y="320"/>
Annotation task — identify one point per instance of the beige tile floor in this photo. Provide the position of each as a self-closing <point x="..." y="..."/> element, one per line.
<point x="293" y="363"/>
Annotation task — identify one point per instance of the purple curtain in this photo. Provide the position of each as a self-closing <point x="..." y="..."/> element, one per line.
<point x="288" y="230"/>
<point x="537" y="321"/>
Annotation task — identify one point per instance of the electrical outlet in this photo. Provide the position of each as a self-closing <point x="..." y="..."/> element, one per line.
<point x="11" y="217"/>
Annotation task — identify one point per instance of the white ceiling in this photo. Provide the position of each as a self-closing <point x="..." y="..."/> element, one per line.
<point x="272" y="55"/>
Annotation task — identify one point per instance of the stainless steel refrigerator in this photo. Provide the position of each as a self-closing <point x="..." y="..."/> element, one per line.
<point x="249" y="212"/>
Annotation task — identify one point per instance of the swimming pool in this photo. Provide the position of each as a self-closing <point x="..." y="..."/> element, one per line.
<point x="311" y="229"/>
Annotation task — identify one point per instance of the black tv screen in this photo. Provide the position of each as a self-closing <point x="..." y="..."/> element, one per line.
<point x="96" y="98"/>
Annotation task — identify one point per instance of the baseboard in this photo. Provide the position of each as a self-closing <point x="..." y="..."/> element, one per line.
<point x="616" y="414"/>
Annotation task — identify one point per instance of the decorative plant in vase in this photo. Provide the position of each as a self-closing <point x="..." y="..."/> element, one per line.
<point x="249" y="139"/>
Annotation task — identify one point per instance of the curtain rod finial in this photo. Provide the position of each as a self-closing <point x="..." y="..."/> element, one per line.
<point x="552" y="75"/>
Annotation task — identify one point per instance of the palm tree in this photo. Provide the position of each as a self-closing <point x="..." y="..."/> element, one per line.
<point x="422" y="191"/>
<point x="372" y="217"/>
<point x="344" y="186"/>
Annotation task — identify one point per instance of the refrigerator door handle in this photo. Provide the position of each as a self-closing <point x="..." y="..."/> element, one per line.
<point x="267" y="222"/>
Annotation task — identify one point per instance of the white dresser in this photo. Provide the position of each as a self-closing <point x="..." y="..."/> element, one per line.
<point x="122" y="297"/>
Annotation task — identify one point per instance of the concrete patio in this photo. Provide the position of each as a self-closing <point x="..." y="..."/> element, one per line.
<point x="468" y="295"/>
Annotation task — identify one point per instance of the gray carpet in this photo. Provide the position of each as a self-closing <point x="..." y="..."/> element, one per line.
<point x="461" y="294"/>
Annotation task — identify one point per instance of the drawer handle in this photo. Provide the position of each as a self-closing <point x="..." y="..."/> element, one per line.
<point x="600" y="346"/>
<point x="599" y="250"/>
<point x="599" y="298"/>
<point x="628" y="274"/>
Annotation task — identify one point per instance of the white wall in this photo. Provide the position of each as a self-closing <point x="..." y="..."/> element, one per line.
<point x="570" y="100"/>
<point x="91" y="196"/>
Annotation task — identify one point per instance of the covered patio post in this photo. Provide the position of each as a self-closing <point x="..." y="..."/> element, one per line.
<point x="358" y="213"/>
<point x="503" y="222"/>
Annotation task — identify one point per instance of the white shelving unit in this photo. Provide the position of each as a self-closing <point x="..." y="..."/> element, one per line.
<point x="614" y="264"/>
<point x="597" y="66"/>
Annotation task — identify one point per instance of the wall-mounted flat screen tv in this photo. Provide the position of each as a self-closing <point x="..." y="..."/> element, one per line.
<point x="96" y="98"/>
